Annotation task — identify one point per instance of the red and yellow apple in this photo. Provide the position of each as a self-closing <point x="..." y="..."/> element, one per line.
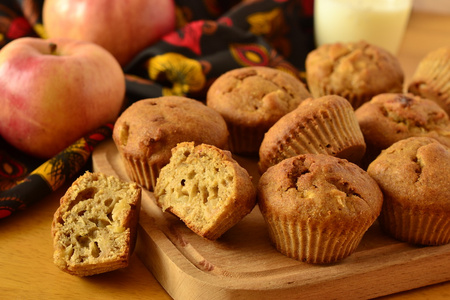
<point x="122" y="27"/>
<point x="52" y="92"/>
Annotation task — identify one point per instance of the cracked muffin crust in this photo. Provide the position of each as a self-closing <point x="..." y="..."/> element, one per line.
<point x="355" y="71"/>
<point x="206" y="188"/>
<point x="147" y="130"/>
<point x="431" y="79"/>
<point x="324" y="125"/>
<point x="251" y="100"/>
<point x="391" y="117"/>
<point x="94" y="228"/>
<point x="414" y="175"/>
<point x="317" y="207"/>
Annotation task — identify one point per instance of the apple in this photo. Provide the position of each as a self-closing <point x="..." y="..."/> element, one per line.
<point x="122" y="27"/>
<point x="52" y="92"/>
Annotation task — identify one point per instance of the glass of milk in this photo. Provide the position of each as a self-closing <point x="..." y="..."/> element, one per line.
<point x="378" y="22"/>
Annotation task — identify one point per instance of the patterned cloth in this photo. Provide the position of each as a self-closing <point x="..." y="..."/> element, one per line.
<point x="212" y="37"/>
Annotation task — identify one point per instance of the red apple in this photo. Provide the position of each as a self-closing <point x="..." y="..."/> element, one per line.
<point x="122" y="27"/>
<point x="52" y="92"/>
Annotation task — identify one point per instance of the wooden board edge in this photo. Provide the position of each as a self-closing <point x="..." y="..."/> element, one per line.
<point x="183" y="280"/>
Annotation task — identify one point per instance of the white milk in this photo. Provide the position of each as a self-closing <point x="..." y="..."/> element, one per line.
<point x="379" y="22"/>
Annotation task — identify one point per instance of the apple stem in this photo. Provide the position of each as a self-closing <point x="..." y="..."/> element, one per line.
<point x="52" y="47"/>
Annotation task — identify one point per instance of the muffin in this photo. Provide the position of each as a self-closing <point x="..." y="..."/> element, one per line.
<point x="391" y="117"/>
<point x="251" y="100"/>
<point x="206" y="188"/>
<point x="414" y="175"/>
<point x="94" y="228"/>
<point x="355" y="71"/>
<point x="317" y="207"/>
<point x="324" y="125"/>
<point x="147" y="130"/>
<point x="431" y="79"/>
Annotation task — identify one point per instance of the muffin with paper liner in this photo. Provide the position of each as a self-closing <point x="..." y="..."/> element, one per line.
<point x="146" y="132"/>
<point x="326" y="125"/>
<point x="251" y="99"/>
<point x="390" y="117"/>
<point x="318" y="207"/>
<point x="431" y="79"/>
<point x="414" y="175"/>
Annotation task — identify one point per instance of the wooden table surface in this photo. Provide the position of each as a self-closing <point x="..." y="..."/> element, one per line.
<point x="26" y="267"/>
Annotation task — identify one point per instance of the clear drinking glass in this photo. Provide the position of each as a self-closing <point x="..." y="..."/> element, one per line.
<point x="379" y="22"/>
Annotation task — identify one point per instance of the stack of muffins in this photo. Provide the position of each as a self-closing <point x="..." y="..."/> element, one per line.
<point x="251" y="100"/>
<point x="313" y="142"/>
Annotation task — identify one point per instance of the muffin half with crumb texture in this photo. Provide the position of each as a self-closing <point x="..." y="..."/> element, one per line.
<point x="206" y="188"/>
<point x="94" y="228"/>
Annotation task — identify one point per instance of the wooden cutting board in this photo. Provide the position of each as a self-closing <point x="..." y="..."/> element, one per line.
<point x="242" y="264"/>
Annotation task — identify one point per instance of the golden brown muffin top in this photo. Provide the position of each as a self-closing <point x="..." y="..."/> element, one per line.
<point x="150" y="128"/>
<point x="353" y="69"/>
<point x="319" y="187"/>
<point x="414" y="173"/>
<point x="390" y="117"/>
<point x="255" y="95"/>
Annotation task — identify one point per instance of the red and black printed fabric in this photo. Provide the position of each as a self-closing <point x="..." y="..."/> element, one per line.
<point x="212" y="37"/>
